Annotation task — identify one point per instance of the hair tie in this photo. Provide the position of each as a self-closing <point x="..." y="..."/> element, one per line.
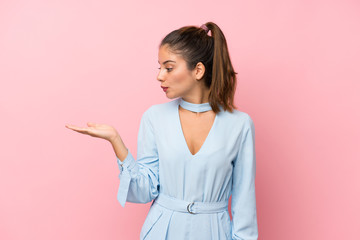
<point x="205" y="28"/>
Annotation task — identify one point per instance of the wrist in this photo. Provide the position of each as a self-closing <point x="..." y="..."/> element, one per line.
<point x="119" y="147"/>
<point x="115" y="139"/>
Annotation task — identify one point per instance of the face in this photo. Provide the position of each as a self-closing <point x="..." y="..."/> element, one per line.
<point x="174" y="75"/>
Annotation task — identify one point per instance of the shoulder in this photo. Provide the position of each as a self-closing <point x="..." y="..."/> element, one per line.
<point x="158" y="110"/>
<point x="238" y="118"/>
<point x="242" y="125"/>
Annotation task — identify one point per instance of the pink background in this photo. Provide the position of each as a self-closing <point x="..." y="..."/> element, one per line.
<point x="70" y="62"/>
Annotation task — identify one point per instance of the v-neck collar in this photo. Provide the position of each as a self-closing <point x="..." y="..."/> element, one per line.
<point x="183" y="136"/>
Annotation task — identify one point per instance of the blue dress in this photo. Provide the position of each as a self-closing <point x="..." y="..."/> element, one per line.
<point x="190" y="193"/>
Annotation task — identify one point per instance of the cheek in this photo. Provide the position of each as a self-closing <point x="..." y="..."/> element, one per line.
<point x="181" y="79"/>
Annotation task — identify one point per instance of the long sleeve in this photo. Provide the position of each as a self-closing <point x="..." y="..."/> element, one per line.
<point x="139" y="180"/>
<point x="243" y="203"/>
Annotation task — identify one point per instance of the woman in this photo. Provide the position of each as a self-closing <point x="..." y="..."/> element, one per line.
<point x="194" y="151"/>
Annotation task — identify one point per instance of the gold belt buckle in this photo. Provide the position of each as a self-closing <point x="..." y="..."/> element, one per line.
<point x="188" y="208"/>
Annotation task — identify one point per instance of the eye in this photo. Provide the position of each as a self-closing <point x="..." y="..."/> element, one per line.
<point x="168" y="69"/>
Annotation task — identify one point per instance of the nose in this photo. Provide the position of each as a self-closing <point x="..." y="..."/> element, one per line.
<point x="159" y="76"/>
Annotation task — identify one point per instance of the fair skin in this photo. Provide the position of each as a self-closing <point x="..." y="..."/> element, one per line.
<point x="181" y="83"/>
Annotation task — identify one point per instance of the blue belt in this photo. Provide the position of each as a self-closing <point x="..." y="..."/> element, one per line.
<point x="179" y="205"/>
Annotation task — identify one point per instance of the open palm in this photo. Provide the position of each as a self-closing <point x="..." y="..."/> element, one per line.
<point x="96" y="130"/>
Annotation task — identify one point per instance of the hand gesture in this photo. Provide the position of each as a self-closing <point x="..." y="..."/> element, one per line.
<point x="96" y="130"/>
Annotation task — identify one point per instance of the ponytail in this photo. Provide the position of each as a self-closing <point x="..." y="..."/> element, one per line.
<point x="223" y="82"/>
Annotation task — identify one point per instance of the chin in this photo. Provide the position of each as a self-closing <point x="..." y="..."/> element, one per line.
<point x="171" y="97"/>
<point x="174" y="94"/>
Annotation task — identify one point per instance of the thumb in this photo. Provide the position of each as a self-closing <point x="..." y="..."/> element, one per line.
<point x="91" y="124"/>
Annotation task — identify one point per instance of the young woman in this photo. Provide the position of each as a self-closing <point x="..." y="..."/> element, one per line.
<point x="194" y="151"/>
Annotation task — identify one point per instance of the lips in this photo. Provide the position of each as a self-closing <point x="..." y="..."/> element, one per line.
<point x="164" y="88"/>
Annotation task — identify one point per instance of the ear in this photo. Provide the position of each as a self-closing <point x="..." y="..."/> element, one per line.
<point x="199" y="71"/>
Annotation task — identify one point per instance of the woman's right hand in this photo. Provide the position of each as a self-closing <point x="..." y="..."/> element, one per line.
<point x="104" y="131"/>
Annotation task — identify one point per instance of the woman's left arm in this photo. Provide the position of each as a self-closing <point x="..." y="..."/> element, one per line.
<point x="243" y="202"/>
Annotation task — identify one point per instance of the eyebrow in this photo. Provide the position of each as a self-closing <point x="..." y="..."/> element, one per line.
<point x="167" y="61"/>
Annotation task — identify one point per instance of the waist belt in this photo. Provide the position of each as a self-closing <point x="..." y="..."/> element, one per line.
<point x="190" y="207"/>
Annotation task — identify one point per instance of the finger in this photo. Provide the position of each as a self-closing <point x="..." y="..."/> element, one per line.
<point x="91" y="124"/>
<point x="82" y="131"/>
<point x="76" y="128"/>
<point x="70" y="126"/>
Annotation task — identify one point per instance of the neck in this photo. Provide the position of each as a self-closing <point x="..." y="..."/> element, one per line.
<point x="197" y="96"/>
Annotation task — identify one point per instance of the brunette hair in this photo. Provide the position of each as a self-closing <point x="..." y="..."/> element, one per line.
<point x="195" y="45"/>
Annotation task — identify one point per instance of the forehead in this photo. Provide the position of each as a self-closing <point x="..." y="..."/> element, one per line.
<point x="165" y="55"/>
